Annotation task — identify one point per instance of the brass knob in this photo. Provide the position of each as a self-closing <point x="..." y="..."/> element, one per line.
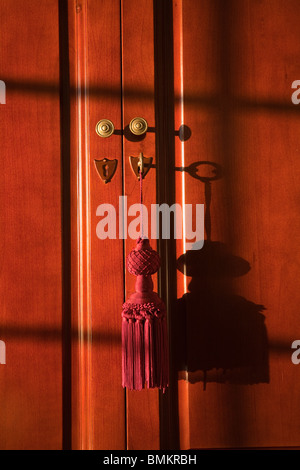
<point x="105" y="128"/>
<point x="138" y="126"/>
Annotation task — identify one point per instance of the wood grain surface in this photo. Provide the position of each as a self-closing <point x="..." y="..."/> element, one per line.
<point x="138" y="101"/>
<point x="30" y="217"/>
<point x="234" y="73"/>
<point x="98" y="284"/>
<point x="213" y="80"/>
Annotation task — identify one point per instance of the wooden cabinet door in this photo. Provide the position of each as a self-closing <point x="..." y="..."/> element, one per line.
<point x="112" y="77"/>
<point x="213" y="80"/>
<point x="238" y="304"/>
<point x="33" y="307"/>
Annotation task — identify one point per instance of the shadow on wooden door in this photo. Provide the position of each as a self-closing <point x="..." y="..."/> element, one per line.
<point x="228" y="333"/>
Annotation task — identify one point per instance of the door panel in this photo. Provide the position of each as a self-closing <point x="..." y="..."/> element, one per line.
<point x="138" y="101"/>
<point x="99" y="400"/>
<point x="99" y="44"/>
<point x="239" y="387"/>
<point x="31" y="226"/>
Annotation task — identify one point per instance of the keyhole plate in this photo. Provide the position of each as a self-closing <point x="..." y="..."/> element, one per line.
<point x="134" y="163"/>
<point x="106" y="169"/>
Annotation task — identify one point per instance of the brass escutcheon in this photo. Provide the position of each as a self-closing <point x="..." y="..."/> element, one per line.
<point x="138" y="126"/>
<point x="106" y="168"/>
<point x="140" y="165"/>
<point x="105" y="128"/>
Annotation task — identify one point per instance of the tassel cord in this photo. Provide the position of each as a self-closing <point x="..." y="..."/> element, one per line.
<point x="141" y="203"/>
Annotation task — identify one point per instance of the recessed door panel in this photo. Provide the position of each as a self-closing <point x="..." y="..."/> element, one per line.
<point x="31" y="315"/>
<point x="238" y="296"/>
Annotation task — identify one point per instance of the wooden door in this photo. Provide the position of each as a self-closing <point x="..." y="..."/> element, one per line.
<point x="107" y="82"/>
<point x="33" y="307"/>
<point x="213" y="80"/>
<point x="239" y="301"/>
<point x="220" y="122"/>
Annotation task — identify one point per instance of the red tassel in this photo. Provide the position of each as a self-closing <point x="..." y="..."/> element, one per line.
<point x="144" y="327"/>
<point x="139" y="366"/>
<point x="124" y="350"/>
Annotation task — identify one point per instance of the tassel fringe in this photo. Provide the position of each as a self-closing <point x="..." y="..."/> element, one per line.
<point x="144" y="346"/>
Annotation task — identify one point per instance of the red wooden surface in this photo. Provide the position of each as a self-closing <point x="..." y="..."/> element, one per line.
<point x="234" y="69"/>
<point x="30" y="194"/>
<point x="98" y="292"/>
<point x="138" y="101"/>
<point x="234" y="63"/>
